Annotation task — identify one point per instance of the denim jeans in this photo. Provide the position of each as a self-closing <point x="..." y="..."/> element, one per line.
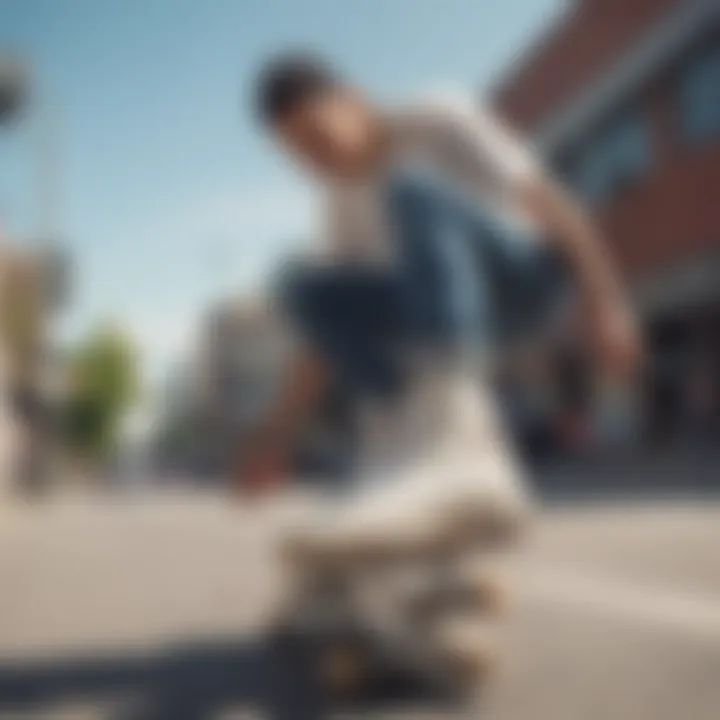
<point x="459" y="278"/>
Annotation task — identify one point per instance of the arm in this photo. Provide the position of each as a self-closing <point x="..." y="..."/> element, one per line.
<point x="604" y="306"/>
<point x="302" y="387"/>
<point x="481" y="151"/>
<point x="267" y="456"/>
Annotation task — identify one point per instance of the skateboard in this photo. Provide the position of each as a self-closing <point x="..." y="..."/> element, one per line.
<point x="388" y="631"/>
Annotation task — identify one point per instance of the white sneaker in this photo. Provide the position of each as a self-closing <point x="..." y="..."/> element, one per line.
<point x="438" y="471"/>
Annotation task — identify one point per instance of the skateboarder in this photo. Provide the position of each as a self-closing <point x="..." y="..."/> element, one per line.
<point x="445" y="237"/>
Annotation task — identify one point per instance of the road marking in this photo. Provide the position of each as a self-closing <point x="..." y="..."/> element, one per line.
<point x="662" y="609"/>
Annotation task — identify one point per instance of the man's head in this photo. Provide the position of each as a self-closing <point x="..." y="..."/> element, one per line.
<point x="321" y="119"/>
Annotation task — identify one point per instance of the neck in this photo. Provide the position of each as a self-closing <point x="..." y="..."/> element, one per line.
<point x="378" y="151"/>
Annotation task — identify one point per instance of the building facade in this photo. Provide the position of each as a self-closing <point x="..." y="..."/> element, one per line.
<point x="623" y="99"/>
<point x="30" y="294"/>
<point x="241" y="357"/>
<point x="214" y="399"/>
<point x="214" y="404"/>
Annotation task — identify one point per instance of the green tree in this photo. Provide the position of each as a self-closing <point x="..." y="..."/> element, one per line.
<point x="104" y="383"/>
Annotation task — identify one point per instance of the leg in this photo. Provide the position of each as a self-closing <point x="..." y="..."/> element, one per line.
<point x="352" y="318"/>
<point x="445" y="294"/>
<point x="459" y="483"/>
<point x="468" y="274"/>
<point x="462" y="480"/>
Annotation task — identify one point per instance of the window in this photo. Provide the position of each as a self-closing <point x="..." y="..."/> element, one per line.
<point x="700" y="96"/>
<point x="614" y="158"/>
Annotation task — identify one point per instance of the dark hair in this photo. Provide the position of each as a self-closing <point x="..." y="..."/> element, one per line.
<point x="286" y="81"/>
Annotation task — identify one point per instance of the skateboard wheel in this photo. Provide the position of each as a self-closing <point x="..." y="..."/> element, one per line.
<point x="343" y="669"/>
<point x="470" y="649"/>
<point x="473" y="669"/>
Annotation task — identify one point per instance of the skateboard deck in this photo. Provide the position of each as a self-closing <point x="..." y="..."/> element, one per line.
<point x="366" y="638"/>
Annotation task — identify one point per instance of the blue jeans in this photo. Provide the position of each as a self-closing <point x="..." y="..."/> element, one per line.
<point x="460" y="278"/>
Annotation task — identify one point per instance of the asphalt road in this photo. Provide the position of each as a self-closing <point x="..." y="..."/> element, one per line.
<point x="109" y="609"/>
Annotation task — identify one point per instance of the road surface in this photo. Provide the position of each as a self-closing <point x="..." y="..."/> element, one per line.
<point x="111" y="606"/>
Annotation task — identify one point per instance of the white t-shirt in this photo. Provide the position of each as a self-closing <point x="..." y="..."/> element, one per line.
<point x="460" y="143"/>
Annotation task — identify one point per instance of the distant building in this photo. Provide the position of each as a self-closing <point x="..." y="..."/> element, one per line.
<point x="241" y="356"/>
<point x="32" y="289"/>
<point x="215" y="399"/>
<point x="213" y="404"/>
<point x="623" y="98"/>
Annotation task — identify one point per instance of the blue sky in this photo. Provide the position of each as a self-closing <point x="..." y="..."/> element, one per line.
<point x="170" y="196"/>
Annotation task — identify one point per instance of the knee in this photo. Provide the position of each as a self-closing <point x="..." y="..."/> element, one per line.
<point x="314" y="301"/>
<point x="295" y="292"/>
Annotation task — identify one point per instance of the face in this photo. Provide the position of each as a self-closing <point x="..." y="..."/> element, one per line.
<point x="332" y="133"/>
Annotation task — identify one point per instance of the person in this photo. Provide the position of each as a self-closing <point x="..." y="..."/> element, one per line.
<point x="445" y="237"/>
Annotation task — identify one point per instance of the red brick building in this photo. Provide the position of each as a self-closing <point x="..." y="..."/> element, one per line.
<point x="623" y="98"/>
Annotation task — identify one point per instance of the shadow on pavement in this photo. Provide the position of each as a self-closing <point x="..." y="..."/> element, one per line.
<point x="188" y="682"/>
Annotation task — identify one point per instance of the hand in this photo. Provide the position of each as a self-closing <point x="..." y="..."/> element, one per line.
<point x="616" y="339"/>
<point x="261" y="471"/>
